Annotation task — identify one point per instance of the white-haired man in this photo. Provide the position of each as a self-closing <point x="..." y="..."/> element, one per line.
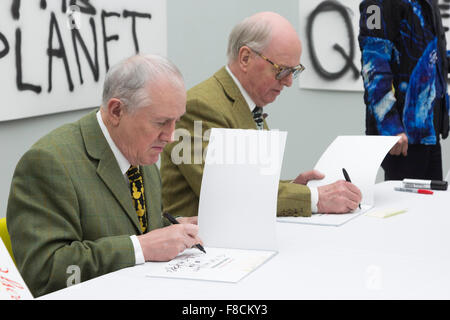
<point x="263" y="58"/>
<point x="86" y="197"/>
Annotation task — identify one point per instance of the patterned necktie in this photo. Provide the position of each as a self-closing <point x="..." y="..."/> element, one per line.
<point x="137" y="194"/>
<point x="258" y="117"/>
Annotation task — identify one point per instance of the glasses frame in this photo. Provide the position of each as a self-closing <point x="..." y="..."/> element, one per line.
<point x="283" y="72"/>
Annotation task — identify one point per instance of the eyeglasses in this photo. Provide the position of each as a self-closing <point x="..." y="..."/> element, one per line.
<point x="283" y="72"/>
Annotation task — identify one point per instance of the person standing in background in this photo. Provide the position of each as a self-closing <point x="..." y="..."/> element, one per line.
<point x="404" y="69"/>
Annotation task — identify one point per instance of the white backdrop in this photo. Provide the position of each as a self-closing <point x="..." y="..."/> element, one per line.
<point x="39" y="68"/>
<point x="325" y="26"/>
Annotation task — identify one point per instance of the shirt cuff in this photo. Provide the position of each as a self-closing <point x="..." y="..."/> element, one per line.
<point x="138" y="253"/>
<point x="314" y="199"/>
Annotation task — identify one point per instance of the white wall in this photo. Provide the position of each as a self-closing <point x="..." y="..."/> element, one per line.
<point x="197" y="37"/>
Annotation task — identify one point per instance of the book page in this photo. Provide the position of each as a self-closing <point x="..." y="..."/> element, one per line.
<point x="238" y="196"/>
<point x="361" y="157"/>
<point x="218" y="264"/>
<point x="323" y="219"/>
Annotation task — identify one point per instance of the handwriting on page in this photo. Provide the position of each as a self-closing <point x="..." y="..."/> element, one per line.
<point x="197" y="262"/>
<point x="12" y="287"/>
<point x="218" y="264"/>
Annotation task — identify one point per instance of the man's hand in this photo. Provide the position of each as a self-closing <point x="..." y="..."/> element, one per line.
<point x="304" y="177"/>
<point x="166" y="243"/>
<point x="401" y="147"/>
<point x="338" y="197"/>
<point x="187" y="220"/>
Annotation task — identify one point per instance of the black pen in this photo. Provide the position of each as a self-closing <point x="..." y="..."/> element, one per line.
<point x="347" y="178"/>
<point x="175" y="221"/>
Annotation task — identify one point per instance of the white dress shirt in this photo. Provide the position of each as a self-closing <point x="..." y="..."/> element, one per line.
<point x="124" y="165"/>
<point x="252" y="105"/>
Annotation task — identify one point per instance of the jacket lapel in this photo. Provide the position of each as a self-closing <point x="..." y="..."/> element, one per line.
<point x="108" y="170"/>
<point x="152" y="192"/>
<point x="240" y="110"/>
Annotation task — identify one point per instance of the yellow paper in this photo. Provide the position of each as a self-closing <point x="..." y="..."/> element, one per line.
<point x="385" y="213"/>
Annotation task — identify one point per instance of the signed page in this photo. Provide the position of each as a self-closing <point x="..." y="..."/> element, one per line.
<point x="361" y="156"/>
<point x="218" y="264"/>
<point x="12" y="286"/>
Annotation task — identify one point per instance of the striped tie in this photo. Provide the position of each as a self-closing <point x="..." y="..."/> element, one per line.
<point x="258" y="117"/>
<point x="137" y="194"/>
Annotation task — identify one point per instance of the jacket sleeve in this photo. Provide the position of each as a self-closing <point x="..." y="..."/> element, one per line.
<point x="378" y="52"/>
<point x="46" y="229"/>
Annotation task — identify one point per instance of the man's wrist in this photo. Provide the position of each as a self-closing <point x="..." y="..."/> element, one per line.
<point x="314" y="199"/>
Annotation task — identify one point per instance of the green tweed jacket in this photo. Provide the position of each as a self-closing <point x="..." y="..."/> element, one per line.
<point x="70" y="209"/>
<point x="217" y="103"/>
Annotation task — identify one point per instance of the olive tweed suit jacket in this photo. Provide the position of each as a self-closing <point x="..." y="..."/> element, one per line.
<point x="218" y="103"/>
<point x="70" y="208"/>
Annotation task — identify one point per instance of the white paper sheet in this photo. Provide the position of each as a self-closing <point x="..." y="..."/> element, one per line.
<point x="361" y="156"/>
<point x="12" y="286"/>
<point x="238" y="198"/>
<point x="218" y="264"/>
<point x="237" y="208"/>
<point x="322" y="219"/>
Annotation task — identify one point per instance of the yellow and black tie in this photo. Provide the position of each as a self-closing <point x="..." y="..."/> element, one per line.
<point x="258" y="117"/>
<point x="137" y="195"/>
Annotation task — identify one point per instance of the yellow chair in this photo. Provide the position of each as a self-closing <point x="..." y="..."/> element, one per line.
<point x="5" y="237"/>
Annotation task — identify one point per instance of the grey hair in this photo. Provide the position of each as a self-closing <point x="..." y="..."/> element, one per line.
<point x="129" y="79"/>
<point x="252" y="32"/>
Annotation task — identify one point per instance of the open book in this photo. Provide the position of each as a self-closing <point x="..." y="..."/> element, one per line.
<point x="361" y="156"/>
<point x="237" y="208"/>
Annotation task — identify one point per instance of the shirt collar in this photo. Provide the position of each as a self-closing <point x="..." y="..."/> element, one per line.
<point x="244" y="93"/>
<point x="123" y="163"/>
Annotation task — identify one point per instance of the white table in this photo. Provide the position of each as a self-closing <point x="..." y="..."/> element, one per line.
<point x="402" y="257"/>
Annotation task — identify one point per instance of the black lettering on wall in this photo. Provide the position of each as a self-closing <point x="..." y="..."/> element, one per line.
<point x="93" y="63"/>
<point x="106" y="38"/>
<point x="445" y="9"/>
<point x="15" y="9"/>
<point x="22" y="86"/>
<point x="5" y="50"/>
<point x="327" y="6"/>
<point x="134" y="15"/>
<point x="87" y="7"/>
<point x="58" y="53"/>
<point x="63" y="6"/>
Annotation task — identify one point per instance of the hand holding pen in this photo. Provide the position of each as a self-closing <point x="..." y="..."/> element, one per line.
<point x="347" y="178"/>
<point x="164" y="244"/>
<point x="175" y="221"/>
<point x="338" y="197"/>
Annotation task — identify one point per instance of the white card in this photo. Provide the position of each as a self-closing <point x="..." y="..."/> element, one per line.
<point x="12" y="286"/>
<point x="238" y="198"/>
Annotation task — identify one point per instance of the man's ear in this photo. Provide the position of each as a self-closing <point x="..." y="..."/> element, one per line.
<point x="115" y="111"/>
<point x="244" y="58"/>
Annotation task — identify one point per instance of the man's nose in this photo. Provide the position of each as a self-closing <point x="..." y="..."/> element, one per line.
<point x="168" y="131"/>
<point x="287" y="81"/>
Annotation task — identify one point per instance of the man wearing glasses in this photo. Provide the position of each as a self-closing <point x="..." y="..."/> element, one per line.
<point x="263" y="58"/>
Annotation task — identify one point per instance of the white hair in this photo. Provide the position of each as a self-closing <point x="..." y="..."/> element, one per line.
<point x="251" y="32"/>
<point x="129" y="79"/>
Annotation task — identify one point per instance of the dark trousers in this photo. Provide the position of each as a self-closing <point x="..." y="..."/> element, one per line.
<point x="422" y="162"/>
